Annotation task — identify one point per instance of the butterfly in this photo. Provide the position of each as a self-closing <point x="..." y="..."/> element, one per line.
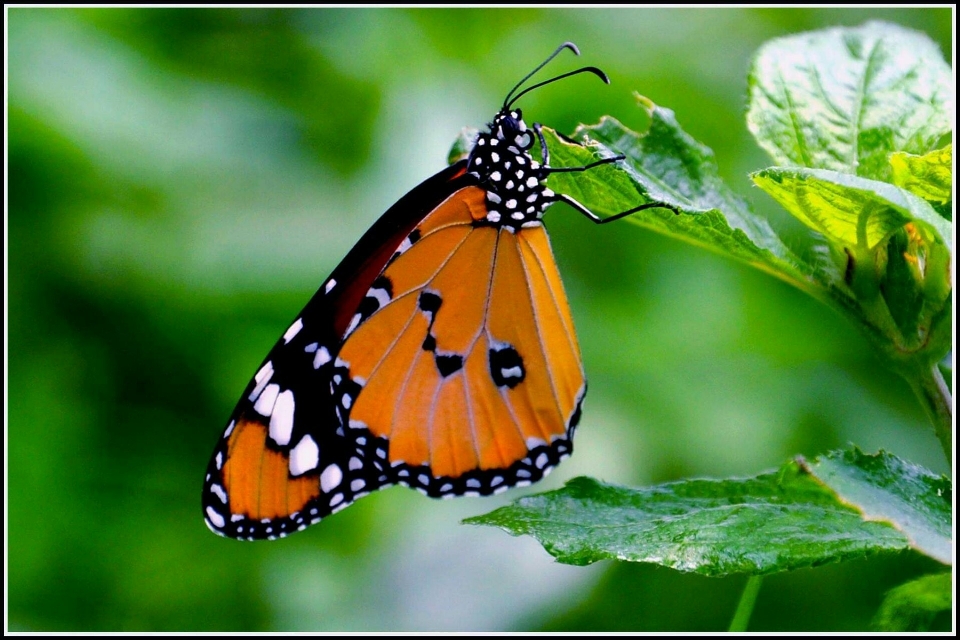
<point x="440" y="354"/>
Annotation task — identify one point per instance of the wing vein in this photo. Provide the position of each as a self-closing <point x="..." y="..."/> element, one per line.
<point x="556" y="305"/>
<point x="483" y="329"/>
<point x="543" y="348"/>
<point x="403" y="388"/>
<point x="400" y="334"/>
<point x="431" y="418"/>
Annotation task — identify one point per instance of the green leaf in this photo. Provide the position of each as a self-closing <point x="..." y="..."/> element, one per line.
<point x="929" y="176"/>
<point x="885" y="488"/>
<point x="844" y="98"/>
<point x="845" y="505"/>
<point x="462" y="145"/>
<point x="666" y="165"/>
<point x="912" y="606"/>
<point x="776" y="521"/>
<point x="896" y="251"/>
<point x="854" y="212"/>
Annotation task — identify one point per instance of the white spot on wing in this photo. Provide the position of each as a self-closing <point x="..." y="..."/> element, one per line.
<point x="331" y="478"/>
<point x="292" y="331"/>
<point x="381" y="296"/>
<point x="265" y="372"/>
<point x="357" y="484"/>
<point x="215" y="518"/>
<point x="353" y="323"/>
<point x="331" y="283"/>
<point x="265" y="402"/>
<point x="219" y="492"/>
<point x="304" y="457"/>
<point x="219" y="459"/>
<point x="281" y="421"/>
<point x="321" y="358"/>
<point x="263" y="377"/>
<point x="512" y="372"/>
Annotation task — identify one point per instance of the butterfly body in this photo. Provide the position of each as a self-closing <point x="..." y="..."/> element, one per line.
<point x="440" y="355"/>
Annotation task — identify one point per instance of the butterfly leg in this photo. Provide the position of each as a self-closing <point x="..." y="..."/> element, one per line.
<point x="560" y="197"/>
<point x="576" y="205"/>
<point x="545" y="154"/>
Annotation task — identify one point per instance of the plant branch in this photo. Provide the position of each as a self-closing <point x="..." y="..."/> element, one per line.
<point x="937" y="401"/>
<point x="745" y="607"/>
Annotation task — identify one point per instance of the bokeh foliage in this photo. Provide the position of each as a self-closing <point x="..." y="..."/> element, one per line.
<point x="180" y="181"/>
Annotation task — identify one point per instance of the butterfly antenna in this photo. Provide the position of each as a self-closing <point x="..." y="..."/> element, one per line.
<point x="566" y="45"/>
<point x="597" y="72"/>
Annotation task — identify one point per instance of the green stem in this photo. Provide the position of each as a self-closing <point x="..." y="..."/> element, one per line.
<point x="745" y="607"/>
<point x="937" y="401"/>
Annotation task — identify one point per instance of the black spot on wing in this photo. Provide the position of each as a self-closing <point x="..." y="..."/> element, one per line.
<point x="368" y="306"/>
<point x="448" y="364"/>
<point x="429" y="302"/>
<point x="383" y="282"/>
<point x="506" y="366"/>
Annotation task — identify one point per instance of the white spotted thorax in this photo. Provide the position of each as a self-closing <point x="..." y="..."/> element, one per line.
<point x="513" y="180"/>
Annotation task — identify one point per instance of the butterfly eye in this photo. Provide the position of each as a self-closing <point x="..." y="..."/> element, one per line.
<point x="523" y="140"/>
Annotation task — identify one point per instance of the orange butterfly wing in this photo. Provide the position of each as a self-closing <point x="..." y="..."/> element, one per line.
<point x="440" y="354"/>
<point x="469" y="372"/>
<point x="283" y="461"/>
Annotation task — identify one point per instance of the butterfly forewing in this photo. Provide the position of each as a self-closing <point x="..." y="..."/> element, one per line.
<point x="283" y="461"/>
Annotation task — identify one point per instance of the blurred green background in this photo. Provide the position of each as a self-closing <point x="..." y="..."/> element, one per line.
<point x="181" y="181"/>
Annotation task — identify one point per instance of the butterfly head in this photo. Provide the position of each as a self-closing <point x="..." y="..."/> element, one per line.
<point x="508" y="126"/>
<point x="501" y="162"/>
